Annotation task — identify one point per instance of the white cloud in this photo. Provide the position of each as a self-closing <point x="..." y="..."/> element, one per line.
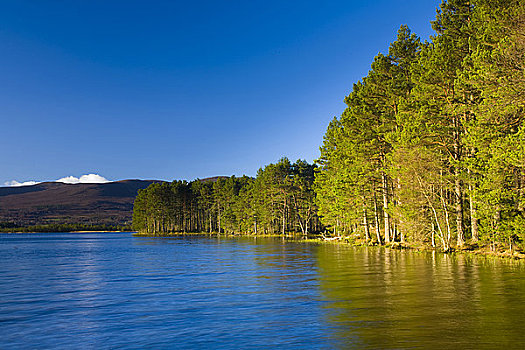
<point x="14" y="183"/>
<point x="84" y="179"/>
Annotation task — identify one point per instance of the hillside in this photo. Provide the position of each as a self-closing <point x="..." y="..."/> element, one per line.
<point x="58" y="203"/>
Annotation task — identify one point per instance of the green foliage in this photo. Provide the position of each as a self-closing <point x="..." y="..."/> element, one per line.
<point x="279" y="200"/>
<point x="430" y="149"/>
<point x="431" y="146"/>
<point x="354" y="165"/>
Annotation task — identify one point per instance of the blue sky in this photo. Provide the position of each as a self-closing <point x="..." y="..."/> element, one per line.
<point x="181" y="89"/>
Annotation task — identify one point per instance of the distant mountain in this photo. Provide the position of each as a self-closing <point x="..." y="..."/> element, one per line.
<point x="212" y="179"/>
<point x="58" y="203"/>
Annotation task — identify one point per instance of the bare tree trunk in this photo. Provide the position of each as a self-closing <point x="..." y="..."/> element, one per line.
<point x="473" y="217"/>
<point x="219" y="219"/>
<point x="433" y="235"/>
<point x="376" y="219"/>
<point x="446" y="244"/>
<point x="284" y="217"/>
<point x="446" y="218"/>
<point x="459" y="210"/>
<point x="303" y="227"/>
<point x="495" y="229"/>
<point x="394" y="232"/>
<point x="458" y="198"/>
<point x="385" y="208"/>
<point x="307" y="222"/>
<point x="365" y="222"/>
<point x="521" y="190"/>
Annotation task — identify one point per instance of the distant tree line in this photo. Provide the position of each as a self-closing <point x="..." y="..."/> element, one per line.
<point x="13" y="227"/>
<point x="431" y="146"/>
<point x="280" y="199"/>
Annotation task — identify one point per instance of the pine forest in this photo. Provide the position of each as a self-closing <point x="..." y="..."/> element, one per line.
<point x="430" y="150"/>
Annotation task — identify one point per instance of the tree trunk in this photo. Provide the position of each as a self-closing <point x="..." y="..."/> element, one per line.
<point x="459" y="210"/>
<point x="458" y="198"/>
<point x="385" y="208"/>
<point x="376" y="218"/>
<point x="495" y="227"/>
<point x="365" y="222"/>
<point x="219" y="220"/>
<point x="284" y="217"/>
<point x="447" y="221"/>
<point x="521" y="190"/>
<point x="433" y="235"/>
<point x="306" y="224"/>
<point x="473" y="217"/>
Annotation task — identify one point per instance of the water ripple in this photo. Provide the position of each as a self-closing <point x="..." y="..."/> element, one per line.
<point x="105" y="291"/>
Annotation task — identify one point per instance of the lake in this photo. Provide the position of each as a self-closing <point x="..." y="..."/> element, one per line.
<point x="113" y="290"/>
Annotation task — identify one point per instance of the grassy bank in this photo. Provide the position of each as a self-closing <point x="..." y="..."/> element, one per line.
<point x="469" y="249"/>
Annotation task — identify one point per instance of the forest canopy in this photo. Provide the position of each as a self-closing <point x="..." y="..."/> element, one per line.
<point x="431" y="146"/>
<point x="279" y="200"/>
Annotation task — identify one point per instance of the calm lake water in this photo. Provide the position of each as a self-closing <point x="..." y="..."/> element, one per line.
<point x="109" y="290"/>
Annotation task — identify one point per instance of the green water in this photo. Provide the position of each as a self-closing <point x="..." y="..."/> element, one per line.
<point x="383" y="298"/>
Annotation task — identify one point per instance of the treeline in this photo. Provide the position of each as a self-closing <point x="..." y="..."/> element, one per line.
<point x="13" y="227"/>
<point x="279" y="200"/>
<point x="431" y="147"/>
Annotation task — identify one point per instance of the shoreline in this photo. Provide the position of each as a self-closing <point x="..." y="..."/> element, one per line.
<point x="95" y="231"/>
<point x="468" y="250"/>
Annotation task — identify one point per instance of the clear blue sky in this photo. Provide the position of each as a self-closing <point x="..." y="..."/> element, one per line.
<point x="181" y="89"/>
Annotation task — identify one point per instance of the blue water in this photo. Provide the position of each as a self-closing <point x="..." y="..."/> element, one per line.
<point x="107" y="290"/>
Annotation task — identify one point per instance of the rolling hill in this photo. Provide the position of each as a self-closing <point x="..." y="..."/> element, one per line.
<point x="58" y="203"/>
